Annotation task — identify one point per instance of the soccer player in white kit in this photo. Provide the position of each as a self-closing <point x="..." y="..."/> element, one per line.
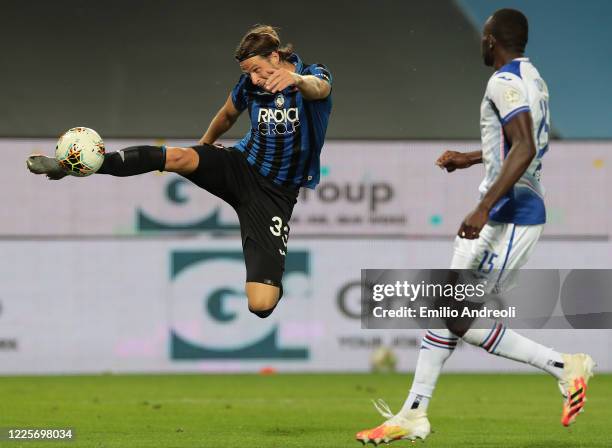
<point x="501" y="232"/>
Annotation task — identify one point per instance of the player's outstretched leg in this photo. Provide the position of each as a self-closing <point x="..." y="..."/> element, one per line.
<point x="127" y="162"/>
<point x="572" y="371"/>
<point x="411" y="421"/>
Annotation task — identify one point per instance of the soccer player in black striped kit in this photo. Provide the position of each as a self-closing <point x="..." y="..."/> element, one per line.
<point x="289" y="103"/>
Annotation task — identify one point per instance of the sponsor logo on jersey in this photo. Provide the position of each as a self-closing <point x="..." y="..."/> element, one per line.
<point x="278" y="121"/>
<point x="279" y="101"/>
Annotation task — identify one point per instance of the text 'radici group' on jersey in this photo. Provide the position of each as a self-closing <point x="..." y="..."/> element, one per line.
<point x="287" y="132"/>
<point x="515" y="88"/>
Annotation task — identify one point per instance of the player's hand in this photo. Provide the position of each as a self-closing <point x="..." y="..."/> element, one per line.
<point x="452" y="160"/>
<point x="280" y="79"/>
<point x="473" y="223"/>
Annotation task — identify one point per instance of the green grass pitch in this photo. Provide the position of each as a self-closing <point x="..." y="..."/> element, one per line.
<point x="295" y="410"/>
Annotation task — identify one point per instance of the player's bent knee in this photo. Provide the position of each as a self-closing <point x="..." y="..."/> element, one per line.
<point x="262" y="303"/>
<point x="262" y="309"/>
<point x="262" y="298"/>
<point x="181" y="160"/>
<point x="262" y="313"/>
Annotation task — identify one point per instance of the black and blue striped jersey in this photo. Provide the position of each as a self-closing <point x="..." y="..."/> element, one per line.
<point x="287" y="132"/>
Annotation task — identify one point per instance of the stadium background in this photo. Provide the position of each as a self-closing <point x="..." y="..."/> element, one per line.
<point x="144" y="274"/>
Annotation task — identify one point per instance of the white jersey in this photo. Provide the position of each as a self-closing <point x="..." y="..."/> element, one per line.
<point x="515" y="88"/>
<point x="497" y="254"/>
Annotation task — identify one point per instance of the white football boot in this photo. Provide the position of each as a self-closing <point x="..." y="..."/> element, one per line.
<point x="577" y="371"/>
<point x="412" y="426"/>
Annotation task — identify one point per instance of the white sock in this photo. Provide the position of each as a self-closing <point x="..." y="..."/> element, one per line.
<point x="507" y="343"/>
<point x="436" y="348"/>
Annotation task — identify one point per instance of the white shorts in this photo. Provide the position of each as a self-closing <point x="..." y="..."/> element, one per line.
<point x="499" y="250"/>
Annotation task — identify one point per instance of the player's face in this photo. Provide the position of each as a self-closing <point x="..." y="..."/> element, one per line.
<point x="259" y="68"/>
<point x="487" y="43"/>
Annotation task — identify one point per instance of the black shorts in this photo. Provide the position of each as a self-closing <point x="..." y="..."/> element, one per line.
<point x="263" y="207"/>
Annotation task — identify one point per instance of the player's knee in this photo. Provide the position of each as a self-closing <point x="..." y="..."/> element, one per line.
<point x="262" y="304"/>
<point x="181" y="160"/>
<point x="262" y="313"/>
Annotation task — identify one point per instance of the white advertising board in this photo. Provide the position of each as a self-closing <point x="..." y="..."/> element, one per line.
<point x="389" y="189"/>
<point x="155" y="304"/>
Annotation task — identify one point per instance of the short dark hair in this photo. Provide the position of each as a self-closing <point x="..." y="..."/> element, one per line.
<point x="511" y="29"/>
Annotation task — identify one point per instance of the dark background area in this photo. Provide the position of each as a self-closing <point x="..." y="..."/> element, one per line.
<point x="163" y="68"/>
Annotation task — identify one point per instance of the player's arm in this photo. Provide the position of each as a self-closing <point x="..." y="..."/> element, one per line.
<point x="223" y="121"/>
<point x="519" y="132"/>
<point x="453" y="160"/>
<point x="311" y="87"/>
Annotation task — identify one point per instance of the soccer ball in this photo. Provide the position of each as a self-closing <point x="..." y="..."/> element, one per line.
<point x="80" y="151"/>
